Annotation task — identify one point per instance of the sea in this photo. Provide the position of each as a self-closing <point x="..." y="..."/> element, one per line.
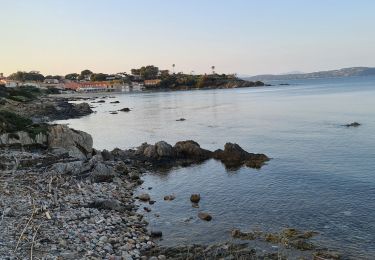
<point x="321" y="176"/>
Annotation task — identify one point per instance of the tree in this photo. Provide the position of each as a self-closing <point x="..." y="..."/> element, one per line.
<point x="26" y="76"/>
<point x="135" y="72"/>
<point x="173" y="65"/>
<point x="164" y="74"/>
<point x="213" y="69"/>
<point x="99" y="77"/>
<point x="72" y="76"/>
<point x="149" y="72"/>
<point x="86" y="73"/>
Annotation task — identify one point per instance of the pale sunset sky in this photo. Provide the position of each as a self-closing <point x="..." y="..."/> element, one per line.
<point x="237" y="36"/>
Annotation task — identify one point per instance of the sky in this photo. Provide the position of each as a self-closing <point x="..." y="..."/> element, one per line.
<point x="236" y="36"/>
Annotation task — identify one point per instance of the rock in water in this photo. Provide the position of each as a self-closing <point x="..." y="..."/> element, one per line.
<point x="204" y="216"/>
<point x="144" y="197"/>
<point x="169" y="197"/>
<point x="156" y="234"/>
<point x="234" y="156"/>
<point x="195" y="198"/>
<point x="354" y="124"/>
<point x="163" y="149"/>
<point x="191" y="149"/>
<point x="125" y="109"/>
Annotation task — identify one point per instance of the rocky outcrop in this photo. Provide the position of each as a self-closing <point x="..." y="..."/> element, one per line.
<point x="47" y="109"/>
<point x="76" y="143"/>
<point x="189" y="152"/>
<point x="22" y="139"/>
<point x="58" y="138"/>
<point x="191" y="149"/>
<point x="234" y="156"/>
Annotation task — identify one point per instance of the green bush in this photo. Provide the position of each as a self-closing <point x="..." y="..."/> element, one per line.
<point x="11" y="122"/>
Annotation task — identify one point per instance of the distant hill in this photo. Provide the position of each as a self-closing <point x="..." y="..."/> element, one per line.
<point x="346" y="72"/>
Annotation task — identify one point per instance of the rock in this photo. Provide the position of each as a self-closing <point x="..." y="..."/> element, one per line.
<point x="22" y="139"/>
<point x="195" y="198"/>
<point x="113" y="113"/>
<point x="162" y="257"/>
<point x="156" y="234"/>
<point x="169" y="197"/>
<point x="115" y="102"/>
<point x="144" y="197"/>
<point x="326" y="255"/>
<point x="150" y="151"/>
<point x="125" y="109"/>
<point x="163" y="149"/>
<point x="102" y="173"/>
<point x="195" y="205"/>
<point x="77" y="143"/>
<point x="191" y="149"/>
<point x="74" y="168"/>
<point x="122" y="168"/>
<point x="236" y="233"/>
<point x="134" y="175"/>
<point x="147" y="209"/>
<point x="204" y="216"/>
<point x="291" y="237"/>
<point x="109" y="205"/>
<point x="107" y="156"/>
<point x="9" y="212"/>
<point x="234" y="156"/>
<point x="354" y="124"/>
<point x="79" y="110"/>
<point x="181" y="119"/>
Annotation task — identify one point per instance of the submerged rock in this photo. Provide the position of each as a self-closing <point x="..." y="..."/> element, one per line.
<point x="326" y="255"/>
<point x="204" y="216"/>
<point x="354" y="124"/>
<point x="236" y="233"/>
<point x="169" y="197"/>
<point x="291" y="237"/>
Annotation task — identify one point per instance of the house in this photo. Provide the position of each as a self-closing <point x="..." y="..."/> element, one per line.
<point x="95" y="86"/>
<point x="9" y="83"/>
<point x="51" y="81"/>
<point x="152" y="82"/>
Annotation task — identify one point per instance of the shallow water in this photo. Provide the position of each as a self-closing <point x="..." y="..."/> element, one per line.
<point x="321" y="177"/>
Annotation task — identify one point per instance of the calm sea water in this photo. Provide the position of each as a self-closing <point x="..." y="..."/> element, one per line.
<point x="321" y="177"/>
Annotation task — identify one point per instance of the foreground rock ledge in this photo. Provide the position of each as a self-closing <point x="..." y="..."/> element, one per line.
<point x="67" y="200"/>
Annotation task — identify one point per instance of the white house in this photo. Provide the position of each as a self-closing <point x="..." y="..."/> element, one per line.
<point x="51" y="81"/>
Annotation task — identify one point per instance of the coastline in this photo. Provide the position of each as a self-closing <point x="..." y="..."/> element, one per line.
<point x="87" y="195"/>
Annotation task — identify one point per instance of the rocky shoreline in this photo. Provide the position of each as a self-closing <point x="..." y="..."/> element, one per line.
<point x="62" y="199"/>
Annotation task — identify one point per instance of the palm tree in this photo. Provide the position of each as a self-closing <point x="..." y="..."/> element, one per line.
<point x="173" y="65"/>
<point x="213" y="69"/>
